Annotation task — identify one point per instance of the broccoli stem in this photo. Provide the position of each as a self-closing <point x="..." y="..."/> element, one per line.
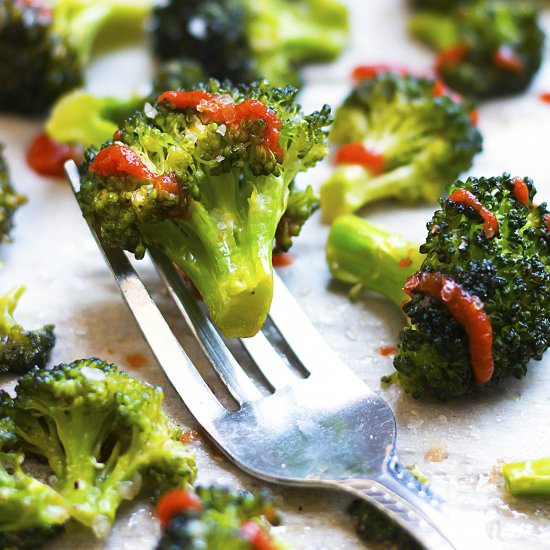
<point x="360" y="252"/>
<point x="529" y="478"/>
<point x="8" y="303"/>
<point x="437" y="31"/>
<point x="351" y="186"/>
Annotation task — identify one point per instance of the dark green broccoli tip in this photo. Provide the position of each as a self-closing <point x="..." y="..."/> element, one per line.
<point x="528" y="478"/>
<point x="439" y="5"/>
<point x="372" y="525"/>
<point x="509" y="273"/>
<point x="244" y="41"/>
<point x="21" y="349"/>
<point x="177" y="74"/>
<point x="218" y="524"/>
<point x="43" y="50"/>
<point x="501" y="44"/>
<point x="10" y="201"/>
<point x="104" y="435"/>
<point x="425" y="140"/>
<point x="361" y="253"/>
<point x="220" y="226"/>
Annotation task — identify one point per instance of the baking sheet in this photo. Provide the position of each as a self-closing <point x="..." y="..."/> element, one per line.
<point x="69" y="285"/>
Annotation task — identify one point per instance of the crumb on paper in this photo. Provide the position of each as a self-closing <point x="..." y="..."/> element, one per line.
<point x="189" y="436"/>
<point x="437" y="453"/>
<point x="136" y="360"/>
<point x="494" y="475"/>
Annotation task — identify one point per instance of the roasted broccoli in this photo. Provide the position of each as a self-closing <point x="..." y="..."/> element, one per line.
<point x="528" y="478"/>
<point x="44" y="48"/>
<point x="30" y="511"/>
<point x="10" y="201"/>
<point x="480" y="302"/>
<point x="81" y="118"/>
<point x="21" y="349"/>
<point x="486" y="49"/>
<point x="245" y="40"/>
<point x="365" y="255"/>
<point x="398" y="137"/>
<point x="216" y="518"/>
<point x="103" y="435"/>
<point x="205" y="176"/>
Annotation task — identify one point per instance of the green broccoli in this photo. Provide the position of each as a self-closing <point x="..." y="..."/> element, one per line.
<point x="486" y="49"/>
<point x="81" y="118"/>
<point x="30" y="511"/>
<point x="398" y="138"/>
<point x="10" y="201"/>
<point x="208" y="183"/>
<point x="21" y="349"/>
<point x="44" y="48"/>
<point x="245" y="40"/>
<point x="480" y="302"/>
<point x="103" y="434"/>
<point x="528" y="478"/>
<point x="216" y="518"/>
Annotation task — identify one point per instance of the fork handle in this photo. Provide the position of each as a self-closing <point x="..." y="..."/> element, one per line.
<point x="408" y="502"/>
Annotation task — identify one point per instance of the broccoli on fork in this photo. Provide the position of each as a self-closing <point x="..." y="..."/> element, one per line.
<point x="479" y="300"/>
<point x="206" y="178"/>
<point x="398" y="137"/>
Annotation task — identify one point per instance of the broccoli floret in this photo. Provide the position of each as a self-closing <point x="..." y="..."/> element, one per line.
<point x="528" y="478"/>
<point x="365" y="255"/>
<point x="486" y="49"/>
<point x="30" y="511"/>
<point x="209" y="194"/>
<point x="245" y="40"/>
<point x="21" y="349"/>
<point x="10" y="201"/>
<point x="398" y="138"/>
<point x="43" y="48"/>
<point x="175" y="74"/>
<point x="216" y="518"/>
<point x="439" y="5"/>
<point x="103" y="434"/>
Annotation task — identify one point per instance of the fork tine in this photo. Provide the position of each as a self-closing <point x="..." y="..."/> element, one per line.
<point x="268" y="361"/>
<point x="173" y="360"/>
<point x="237" y="382"/>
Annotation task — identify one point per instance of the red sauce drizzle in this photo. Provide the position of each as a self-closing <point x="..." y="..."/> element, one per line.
<point x="439" y="89"/>
<point x="474" y="117"/>
<point x="222" y="109"/>
<point x="282" y="260"/>
<point x="46" y="156"/>
<point x="468" y="311"/>
<point x="547" y="221"/>
<point x="357" y="153"/>
<point x="545" y="97"/>
<point x="453" y="55"/>
<point x="505" y="58"/>
<point x="521" y="191"/>
<point x="362" y="72"/>
<point x="256" y="536"/>
<point x="490" y="222"/>
<point x="404" y="262"/>
<point x="388" y="350"/>
<point x="175" y="501"/>
<point x="120" y="160"/>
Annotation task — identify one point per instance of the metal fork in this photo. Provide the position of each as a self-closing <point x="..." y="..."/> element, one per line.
<point x="325" y="429"/>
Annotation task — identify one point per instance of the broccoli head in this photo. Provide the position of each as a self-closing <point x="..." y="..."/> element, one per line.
<point x="398" y="137"/>
<point x="216" y="518"/>
<point x="103" y="434"/>
<point x="21" y="349"/>
<point x="206" y="176"/>
<point x="495" y="254"/>
<point x="245" y="40"/>
<point x="44" y="48"/>
<point x="10" y="201"/>
<point x="30" y="511"/>
<point x="486" y="49"/>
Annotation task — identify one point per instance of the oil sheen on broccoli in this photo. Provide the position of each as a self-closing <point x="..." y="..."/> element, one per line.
<point x="507" y="272"/>
<point x="244" y="40"/>
<point x="21" y="349"/>
<point x="44" y="47"/>
<point x="10" y="201"/>
<point x="486" y="49"/>
<point x="216" y="517"/>
<point x="103" y="434"/>
<point x="421" y="140"/>
<point x="210" y="194"/>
